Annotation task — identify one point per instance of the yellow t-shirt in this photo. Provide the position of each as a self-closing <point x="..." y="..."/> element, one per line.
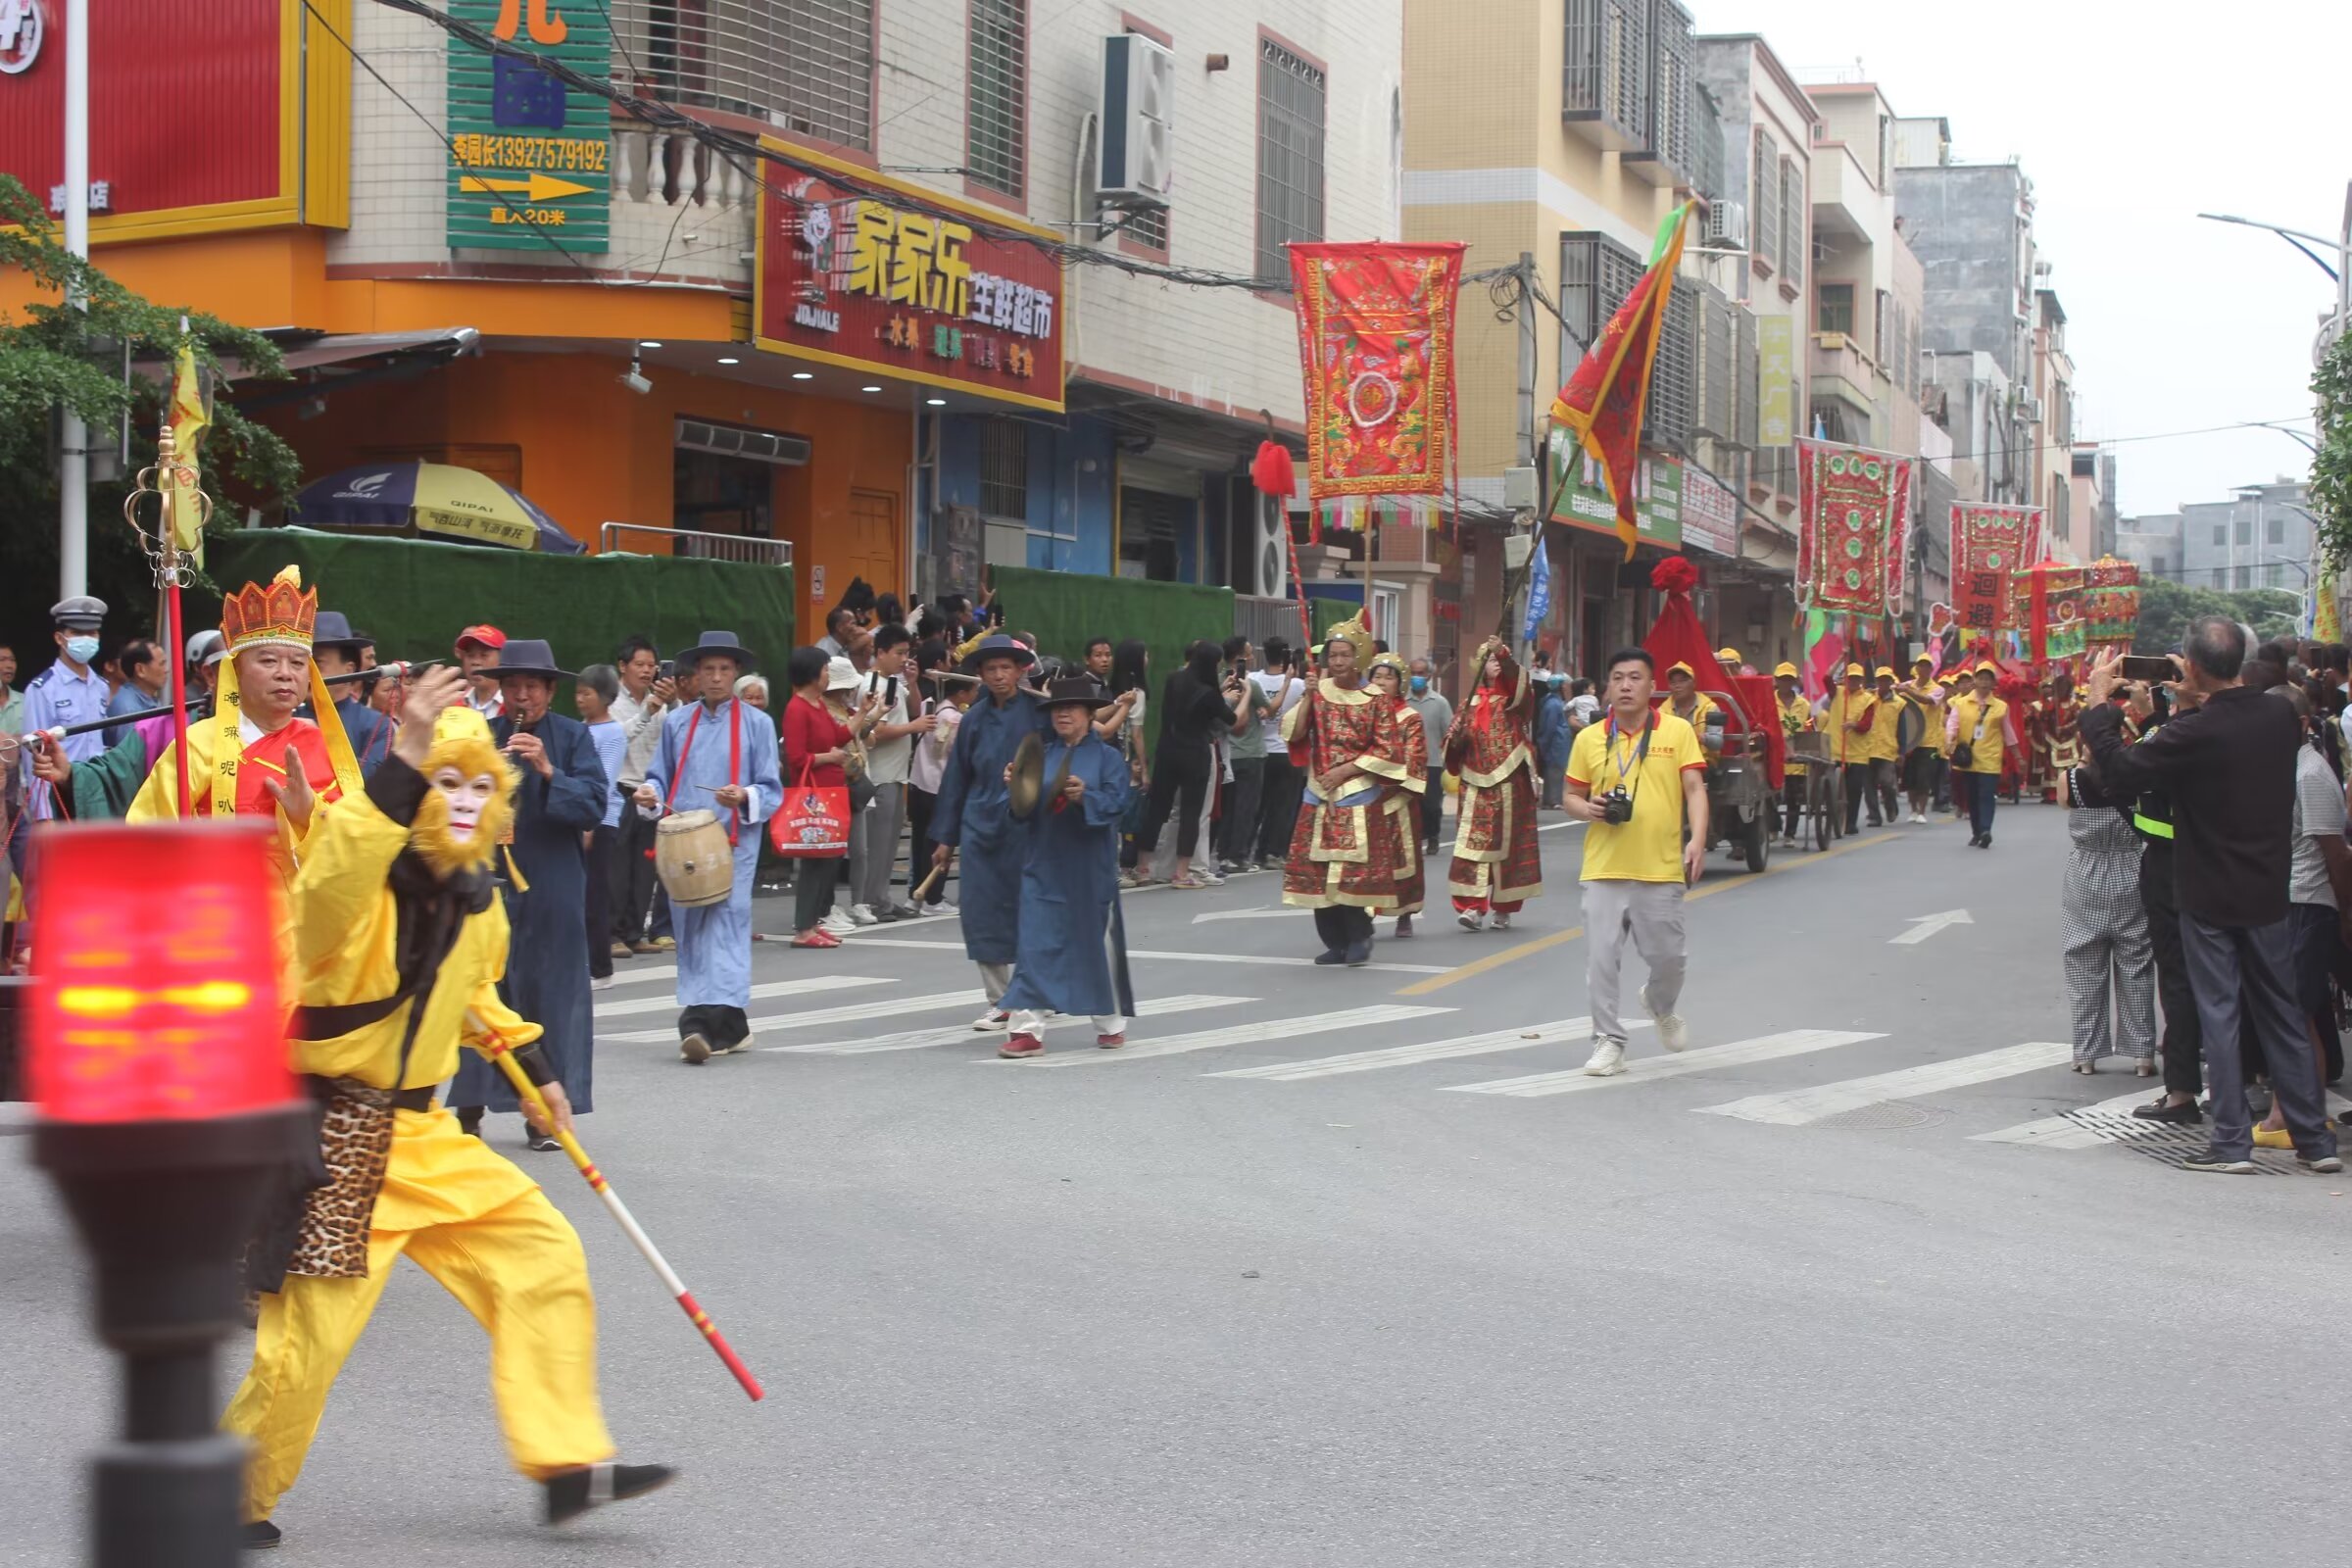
<point x="1845" y="707"/>
<point x="1886" y="732"/>
<point x="1650" y="848"/>
<point x="1987" y="755"/>
<point x="1796" y="719"/>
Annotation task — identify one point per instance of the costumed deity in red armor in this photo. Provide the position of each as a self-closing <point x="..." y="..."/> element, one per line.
<point x="1496" y="867"/>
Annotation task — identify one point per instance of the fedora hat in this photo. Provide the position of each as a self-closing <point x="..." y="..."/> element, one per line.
<point x="715" y="644"/>
<point x="529" y="655"/>
<point x="1075" y="691"/>
<point x="332" y="629"/>
<point x="998" y="645"/>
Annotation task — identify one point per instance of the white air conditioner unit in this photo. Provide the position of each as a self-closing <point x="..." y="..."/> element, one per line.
<point x="1269" y="571"/>
<point x="1139" y="121"/>
<point x="1726" y="225"/>
<point x="2028" y="411"/>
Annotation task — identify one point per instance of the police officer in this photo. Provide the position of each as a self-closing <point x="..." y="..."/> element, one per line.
<point x="67" y="692"/>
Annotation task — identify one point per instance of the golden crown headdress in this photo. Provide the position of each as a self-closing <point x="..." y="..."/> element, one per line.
<point x="280" y="615"/>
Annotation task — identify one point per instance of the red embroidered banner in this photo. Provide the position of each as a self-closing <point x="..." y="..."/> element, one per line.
<point x="1376" y="344"/>
<point x="1990" y="544"/>
<point x="2054" y="593"/>
<point x="2112" y="601"/>
<point x="1852" y="505"/>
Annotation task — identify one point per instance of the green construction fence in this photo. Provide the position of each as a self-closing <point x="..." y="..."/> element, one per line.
<point x="413" y="597"/>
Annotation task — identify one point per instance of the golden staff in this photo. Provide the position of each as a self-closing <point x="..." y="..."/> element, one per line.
<point x="498" y="1050"/>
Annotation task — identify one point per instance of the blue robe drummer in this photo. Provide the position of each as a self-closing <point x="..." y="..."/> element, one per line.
<point x="718" y="755"/>
<point x="1073" y="944"/>
<point x="972" y="815"/>
<point x="546" y="966"/>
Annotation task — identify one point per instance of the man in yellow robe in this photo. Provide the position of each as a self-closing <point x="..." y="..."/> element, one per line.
<point x="254" y="757"/>
<point x="399" y="945"/>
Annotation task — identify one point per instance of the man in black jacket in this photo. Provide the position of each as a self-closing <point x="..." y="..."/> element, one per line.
<point x="2229" y="767"/>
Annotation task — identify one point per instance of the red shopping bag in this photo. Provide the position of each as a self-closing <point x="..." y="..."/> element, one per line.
<point x="813" y="822"/>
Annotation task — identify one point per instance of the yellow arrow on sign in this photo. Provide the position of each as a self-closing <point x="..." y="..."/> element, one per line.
<point x="537" y="188"/>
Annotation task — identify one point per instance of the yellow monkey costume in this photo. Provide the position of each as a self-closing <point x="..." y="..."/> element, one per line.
<point x="382" y="885"/>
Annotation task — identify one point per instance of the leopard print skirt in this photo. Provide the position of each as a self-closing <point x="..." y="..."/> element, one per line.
<point x="356" y="1143"/>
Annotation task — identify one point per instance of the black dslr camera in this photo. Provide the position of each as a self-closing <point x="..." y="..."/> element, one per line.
<point x="1616" y="806"/>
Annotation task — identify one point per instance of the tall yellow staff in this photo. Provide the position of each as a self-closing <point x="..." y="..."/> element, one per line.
<point x="498" y="1052"/>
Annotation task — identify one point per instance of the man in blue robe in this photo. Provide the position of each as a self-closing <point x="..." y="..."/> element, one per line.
<point x="340" y="651"/>
<point x="560" y="804"/>
<point x="716" y="755"/>
<point x="972" y="814"/>
<point x="1073" y="944"/>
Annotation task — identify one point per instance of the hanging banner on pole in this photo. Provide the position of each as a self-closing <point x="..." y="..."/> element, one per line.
<point x="2112" y="601"/>
<point x="1376" y="343"/>
<point x="1538" y="587"/>
<point x="1851" y="508"/>
<point x="1991" y="543"/>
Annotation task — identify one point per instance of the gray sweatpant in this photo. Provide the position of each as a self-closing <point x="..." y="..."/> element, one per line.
<point x="874" y="844"/>
<point x="1652" y="913"/>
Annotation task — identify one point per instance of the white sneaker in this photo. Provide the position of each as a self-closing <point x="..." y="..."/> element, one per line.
<point x="838" y="923"/>
<point x="993" y="1022"/>
<point x="863" y="914"/>
<point x="604" y="984"/>
<point x="1471" y="919"/>
<point x="1919" y="818"/>
<point x="1502" y="922"/>
<point x="1673" y="1033"/>
<point x="1608" y="1061"/>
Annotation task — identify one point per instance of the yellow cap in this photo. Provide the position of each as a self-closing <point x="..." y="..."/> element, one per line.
<point x="1789" y="670"/>
<point x="1684" y="666"/>
<point x="1854" y="670"/>
<point x="1988" y="667"/>
<point x="1727" y="656"/>
<point x="1883" y="673"/>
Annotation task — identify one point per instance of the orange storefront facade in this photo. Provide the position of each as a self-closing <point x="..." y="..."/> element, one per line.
<point x="628" y="389"/>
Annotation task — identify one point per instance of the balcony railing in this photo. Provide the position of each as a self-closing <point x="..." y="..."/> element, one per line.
<point x="644" y="539"/>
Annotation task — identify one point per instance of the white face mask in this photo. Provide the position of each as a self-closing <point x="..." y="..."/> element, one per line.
<point x="81" y="649"/>
<point x="467" y="798"/>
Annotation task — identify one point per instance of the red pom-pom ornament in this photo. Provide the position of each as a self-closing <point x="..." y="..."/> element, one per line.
<point x="1270" y="470"/>
<point x="1674" y="575"/>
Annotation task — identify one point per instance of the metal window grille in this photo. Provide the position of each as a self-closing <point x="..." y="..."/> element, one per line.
<point x="1005" y="469"/>
<point x="1718" y="355"/>
<point x="1764" y="200"/>
<point x="1794" y="225"/>
<point x="1608" y="66"/>
<point x="1146" y="225"/>
<point x="1291" y="96"/>
<point x="1596" y="273"/>
<point x="1706" y="141"/>
<point x="804" y="65"/>
<point x="998" y="105"/>
<point x="1675" y="47"/>
<point x="1674" y="375"/>
<point x="1833" y="309"/>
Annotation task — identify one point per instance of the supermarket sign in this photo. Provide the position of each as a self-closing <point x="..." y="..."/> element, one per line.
<point x="877" y="275"/>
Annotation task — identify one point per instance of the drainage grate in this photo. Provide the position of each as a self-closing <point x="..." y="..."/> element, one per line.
<point x="1889" y="1116"/>
<point x="2166" y="1144"/>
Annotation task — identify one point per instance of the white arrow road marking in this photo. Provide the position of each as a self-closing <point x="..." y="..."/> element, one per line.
<point x="1535" y="1034"/>
<point x="1247" y="1034"/>
<point x="966" y="1034"/>
<point x="1249" y="914"/>
<point x="1800" y="1106"/>
<point x="1928" y="925"/>
<point x="1765" y="1048"/>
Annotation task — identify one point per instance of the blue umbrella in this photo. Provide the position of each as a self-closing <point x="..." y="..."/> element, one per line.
<point x="433" y="499"/>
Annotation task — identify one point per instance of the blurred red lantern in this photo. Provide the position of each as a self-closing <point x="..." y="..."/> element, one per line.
<point x="159" y="993"/>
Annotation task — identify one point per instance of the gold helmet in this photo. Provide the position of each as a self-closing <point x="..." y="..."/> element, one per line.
<point x="1355" y="634"/>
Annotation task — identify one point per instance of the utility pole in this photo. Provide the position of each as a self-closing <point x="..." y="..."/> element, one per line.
<point x="73" y="459"/>
<point x="1529" y="455"/>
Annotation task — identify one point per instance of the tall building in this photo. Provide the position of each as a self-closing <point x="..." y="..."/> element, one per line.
<point x="1972" y="227"/>
<point x="2261" y="537"/>
<point x="1769" y="126"/>
<point x="1867" y="283"/>
<point x="2049" y="417"/>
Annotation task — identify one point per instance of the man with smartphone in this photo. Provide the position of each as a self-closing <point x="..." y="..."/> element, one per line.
<point x="1639" y="779"/>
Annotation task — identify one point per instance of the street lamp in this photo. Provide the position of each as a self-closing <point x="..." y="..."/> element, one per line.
<point x="2340" y="274"/>
<point x="157" y="1062"/>
<point x="2288" y="430"/>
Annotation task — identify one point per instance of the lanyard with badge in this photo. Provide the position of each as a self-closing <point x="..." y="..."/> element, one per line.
<point x="1617" y="806"/>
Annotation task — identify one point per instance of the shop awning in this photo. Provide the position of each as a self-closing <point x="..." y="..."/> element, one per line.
<point x="322" y="365"/>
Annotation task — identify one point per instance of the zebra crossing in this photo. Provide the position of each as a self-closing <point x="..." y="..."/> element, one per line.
<point x="800" y="1018"/>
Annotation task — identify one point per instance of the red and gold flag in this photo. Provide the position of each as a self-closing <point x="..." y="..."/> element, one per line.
<point x="1604" y="400"/>
<point x="1376" y="344"/>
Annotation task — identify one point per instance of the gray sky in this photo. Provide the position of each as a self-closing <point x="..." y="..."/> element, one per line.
<point x="2131" y="120"/>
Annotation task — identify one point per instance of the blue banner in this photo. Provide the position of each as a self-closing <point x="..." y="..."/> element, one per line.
<point x="1538" y="587"/>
